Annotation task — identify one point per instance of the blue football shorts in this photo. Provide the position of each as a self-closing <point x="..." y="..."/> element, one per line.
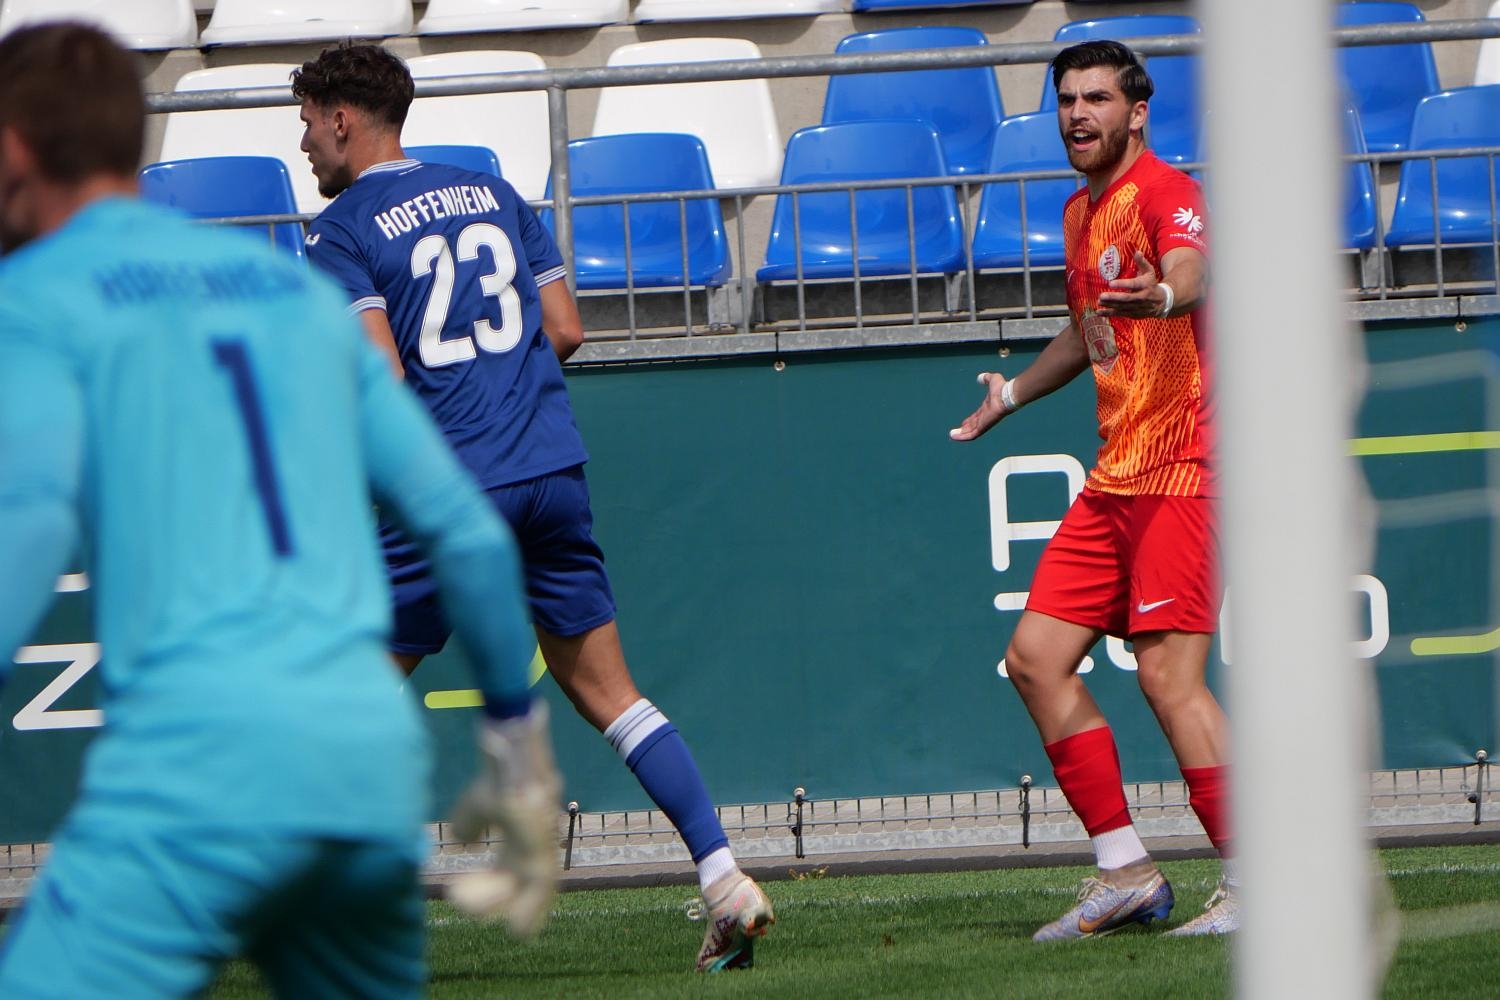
<point x="566" y="585"/>
<point x="128" y="912"/>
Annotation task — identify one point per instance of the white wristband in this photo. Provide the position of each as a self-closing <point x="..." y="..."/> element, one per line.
<point x="1008" y="396"/>
<point x="1166" y="307"/>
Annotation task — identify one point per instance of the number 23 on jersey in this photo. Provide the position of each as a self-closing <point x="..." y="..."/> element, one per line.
<point x="433" y="256"/>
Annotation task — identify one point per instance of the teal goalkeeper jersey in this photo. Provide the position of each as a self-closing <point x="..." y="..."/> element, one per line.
<point x="217" y="420"/>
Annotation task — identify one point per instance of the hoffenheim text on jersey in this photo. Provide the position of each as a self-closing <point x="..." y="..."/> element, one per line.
<point x="460" y="199"/>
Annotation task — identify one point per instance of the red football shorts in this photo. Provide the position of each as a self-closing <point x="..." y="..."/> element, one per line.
<point x="1131" y="564"/>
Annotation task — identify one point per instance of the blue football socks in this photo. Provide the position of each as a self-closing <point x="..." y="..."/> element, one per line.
<point x="656" y="753"/>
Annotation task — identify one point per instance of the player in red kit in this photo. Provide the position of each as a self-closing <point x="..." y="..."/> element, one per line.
<point x="1136" y="554"/>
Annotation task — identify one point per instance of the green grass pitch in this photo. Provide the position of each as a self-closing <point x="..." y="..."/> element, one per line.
<point x="949" y="935"/>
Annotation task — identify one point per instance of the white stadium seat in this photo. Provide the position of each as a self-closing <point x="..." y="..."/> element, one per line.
<point x="139" y="24"/>
<point x="243" y="132"/>
<point x="1488" y="70"/>
<point x="452" y="16"/>
<point x="734" y="118"/>
<point x="253" y="22"/>
<point x="514" y="125"/>
<point x="725" y="10"/>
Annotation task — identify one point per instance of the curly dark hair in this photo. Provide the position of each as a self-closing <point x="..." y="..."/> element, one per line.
<point x="1135" y="82"/>
<point x="363" y="76"/>
<point x="75" y="96"/>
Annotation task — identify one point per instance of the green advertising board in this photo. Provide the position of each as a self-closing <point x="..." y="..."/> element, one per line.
<point x="817" y="586"/>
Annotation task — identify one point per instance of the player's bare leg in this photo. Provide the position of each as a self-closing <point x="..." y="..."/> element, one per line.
<point x="1171" y="668"/>
<point x="1042" y="661"/>
<point x="591" y="670"/>
<point x="407" y="662"/>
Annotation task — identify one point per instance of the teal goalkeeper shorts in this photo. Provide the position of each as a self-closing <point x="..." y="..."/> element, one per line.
<point x="128" y="914"/>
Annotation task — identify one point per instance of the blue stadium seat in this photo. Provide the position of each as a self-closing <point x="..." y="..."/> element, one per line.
<point x="476" y="158"/>
<point x="962" y="104"/>
<point x="1175" y="115"/>
<point x="864" y="151"/>
<point x="1028" y="142"/>
<point x="1452" y="119"/>
<point x="1360" y="203"/>
<point x="1386" y="81"/>
<point x="217" y="187"/>
<point x="638" y="163"/>
<point x="861" y="6"/>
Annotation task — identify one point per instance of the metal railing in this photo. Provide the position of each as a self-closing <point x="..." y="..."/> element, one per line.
<point x="806" y="827"/>
<point x="734" y="307"/>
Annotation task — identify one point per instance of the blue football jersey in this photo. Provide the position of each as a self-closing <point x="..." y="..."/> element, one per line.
<point x="202" y="412"/>
<point x="456" y="259"/>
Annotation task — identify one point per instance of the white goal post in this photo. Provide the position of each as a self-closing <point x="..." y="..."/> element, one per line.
<point x="1287" y="363"/>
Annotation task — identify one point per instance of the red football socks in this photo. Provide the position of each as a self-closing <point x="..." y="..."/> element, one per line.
<point x="1087" y="768"/>
<point x="1208" y="794"/>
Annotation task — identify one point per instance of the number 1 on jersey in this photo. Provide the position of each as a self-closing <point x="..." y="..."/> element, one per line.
<point x="232" y="356"/>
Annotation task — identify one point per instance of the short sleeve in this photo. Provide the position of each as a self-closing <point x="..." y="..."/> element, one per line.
<point x="541" y="250"/>
<point x="1175" y="215"/>
<point x="333" y="250"/>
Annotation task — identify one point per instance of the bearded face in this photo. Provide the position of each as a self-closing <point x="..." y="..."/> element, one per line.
<point x="1095" y="119"/>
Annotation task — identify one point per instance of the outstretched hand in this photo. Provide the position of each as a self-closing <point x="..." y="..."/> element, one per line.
<point x="989" y="413"/>
<point x="1136" y="297"/>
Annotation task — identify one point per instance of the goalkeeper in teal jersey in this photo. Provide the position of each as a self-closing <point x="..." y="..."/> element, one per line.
<point x="195" y="412"/>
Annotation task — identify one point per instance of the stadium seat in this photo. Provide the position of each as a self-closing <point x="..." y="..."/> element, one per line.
<point x="452" y="16"/>
<point x="243" y="131"/>
<point x="638" y="164"/>
<point x="734" y="118"/>
<point x="1023" y="143"/>
<point x="1172" y="129"/>
<point x="728" y="10"/>
<point x="218" y="187"/>
<point x="475" y="158"/>
<point x="1360" y="203"/>
<point x="864" y="151"/>
<point x="864" y="6"/>
<point x="147" y="25"/>
<point x="1451" y="119"/>
<point x="1487" y="70"/>
<point x="257" y="22"/>
<point x="513" y="125"/>
<point x="1386" y="81"/>
<point x="962" y="104"/>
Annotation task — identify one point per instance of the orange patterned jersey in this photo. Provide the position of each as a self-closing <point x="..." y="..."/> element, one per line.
<point x="1152" y="374"/>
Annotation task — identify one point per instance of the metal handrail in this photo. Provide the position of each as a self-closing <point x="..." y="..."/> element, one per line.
<point x="557" y="82"/>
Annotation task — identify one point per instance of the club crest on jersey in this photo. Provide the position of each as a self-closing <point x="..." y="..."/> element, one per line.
<point x="1109" y="263"/>
<point x="1099" y="338"/>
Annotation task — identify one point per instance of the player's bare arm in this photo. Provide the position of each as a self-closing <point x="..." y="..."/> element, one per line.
<point x="1061" y="361"/>
<point x="1184" y="271"/>
<point x="560" y="320"/>
<point x="378" y="328"/>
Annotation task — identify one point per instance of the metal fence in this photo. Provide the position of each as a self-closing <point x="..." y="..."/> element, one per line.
<point x="858" y="310"/>
<point x="808" y="828"/>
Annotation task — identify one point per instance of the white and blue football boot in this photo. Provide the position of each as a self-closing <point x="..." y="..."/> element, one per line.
<point x="1221" y="915"/>
<point x="1104" y="907"/>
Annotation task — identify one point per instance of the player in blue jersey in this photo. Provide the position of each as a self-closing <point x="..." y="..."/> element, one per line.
<point x="456" y="279"/>
<point x="197" y="414"/>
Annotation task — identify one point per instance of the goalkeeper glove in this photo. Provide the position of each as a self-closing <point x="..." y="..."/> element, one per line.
<point x="517" y="793"/>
